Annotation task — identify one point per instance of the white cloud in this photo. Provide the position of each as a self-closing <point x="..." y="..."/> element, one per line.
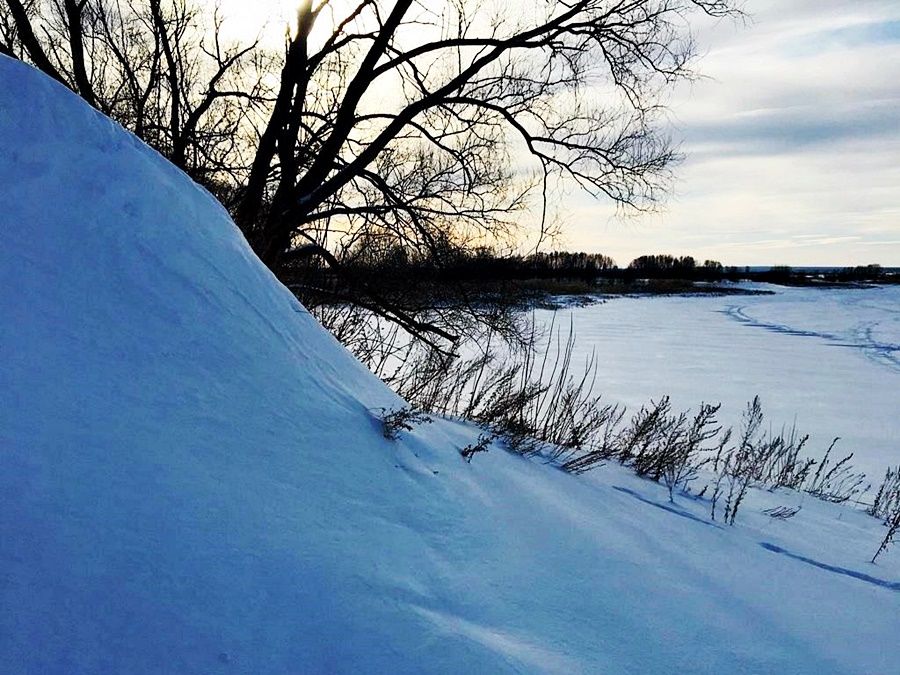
<point x="793" y="144"/>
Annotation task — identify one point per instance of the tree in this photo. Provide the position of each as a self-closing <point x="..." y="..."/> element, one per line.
<point x="420" y="124"/>
<point x="664" y="265"/>
<point x="574" y="85"/>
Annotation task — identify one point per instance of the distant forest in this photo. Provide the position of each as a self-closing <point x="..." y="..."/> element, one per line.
<point x="393" y="271"/>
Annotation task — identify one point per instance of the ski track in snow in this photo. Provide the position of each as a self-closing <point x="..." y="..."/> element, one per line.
<point x="861" y="336"/>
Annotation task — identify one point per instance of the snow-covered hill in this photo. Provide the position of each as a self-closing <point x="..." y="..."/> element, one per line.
<point x="192" y="480"/>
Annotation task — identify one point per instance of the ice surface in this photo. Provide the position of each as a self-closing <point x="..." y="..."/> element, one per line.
<point x="192" y="481"/>
<point x="828" y="359"/>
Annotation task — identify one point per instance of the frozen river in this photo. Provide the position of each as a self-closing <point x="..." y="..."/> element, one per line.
<point x="827" y="359"/>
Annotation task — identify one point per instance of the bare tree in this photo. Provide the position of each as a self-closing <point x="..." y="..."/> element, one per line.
<point x="407" y="120"/>
<point x="429" y="126"/>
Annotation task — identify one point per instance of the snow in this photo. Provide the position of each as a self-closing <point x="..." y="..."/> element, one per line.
<point x="192" y="479"/>
<point x="828" y="359"/>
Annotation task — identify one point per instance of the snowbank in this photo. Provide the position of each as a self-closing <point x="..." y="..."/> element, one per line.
<point x="191" y="480"/>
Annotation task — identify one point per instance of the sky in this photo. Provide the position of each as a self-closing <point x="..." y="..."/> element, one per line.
<point x="791" y="142"/>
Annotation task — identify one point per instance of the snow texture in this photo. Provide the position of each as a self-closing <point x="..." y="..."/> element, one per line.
<point x="192" y="479"/>
<point x="827" y="359"/>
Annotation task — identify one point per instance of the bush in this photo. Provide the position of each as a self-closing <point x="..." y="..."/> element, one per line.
<point x="887" y="499"/>
<point x="837" y="483"/>
<point x="685" y="451"/>
<point x="538" y="406"/>
<point x="738" y="466"/>
<point x="481" y="445"/>
<point x="781" y="464"/>
<point x="893" y="525"/>
<point x="395" y="422"/>
<point x="667" y="447"/>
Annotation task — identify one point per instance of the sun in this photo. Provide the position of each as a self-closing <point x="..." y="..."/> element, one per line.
<point x="265" y="19"/>
<point x="271" y="20"/>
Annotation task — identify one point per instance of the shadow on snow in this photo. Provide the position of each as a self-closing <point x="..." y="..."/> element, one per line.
<point x="890" y="585"/>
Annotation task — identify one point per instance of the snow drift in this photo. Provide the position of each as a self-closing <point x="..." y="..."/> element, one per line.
<point x="192" y="479"/>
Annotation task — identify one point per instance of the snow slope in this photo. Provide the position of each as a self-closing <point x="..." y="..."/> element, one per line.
<point x="191" y="480"/>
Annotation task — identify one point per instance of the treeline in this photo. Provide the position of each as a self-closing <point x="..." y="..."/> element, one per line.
<point x="482" y="264"/>
<point x="674" y="267"/>
<point x="686" y="267"/>
<point x="367" y="262"/>
<point x="791" y="276"/>
<point x="393" y="272"/>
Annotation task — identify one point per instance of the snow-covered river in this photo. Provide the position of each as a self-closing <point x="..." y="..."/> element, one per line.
<point x="829" y="359"/>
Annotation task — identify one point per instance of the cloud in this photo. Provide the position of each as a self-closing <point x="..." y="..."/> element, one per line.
<point x="792" y="143"/>
<point x="857" y="35"/>
<point x="794" y="128"/>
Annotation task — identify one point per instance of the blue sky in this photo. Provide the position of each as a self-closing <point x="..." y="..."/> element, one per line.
<point x="792" y="144"/>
